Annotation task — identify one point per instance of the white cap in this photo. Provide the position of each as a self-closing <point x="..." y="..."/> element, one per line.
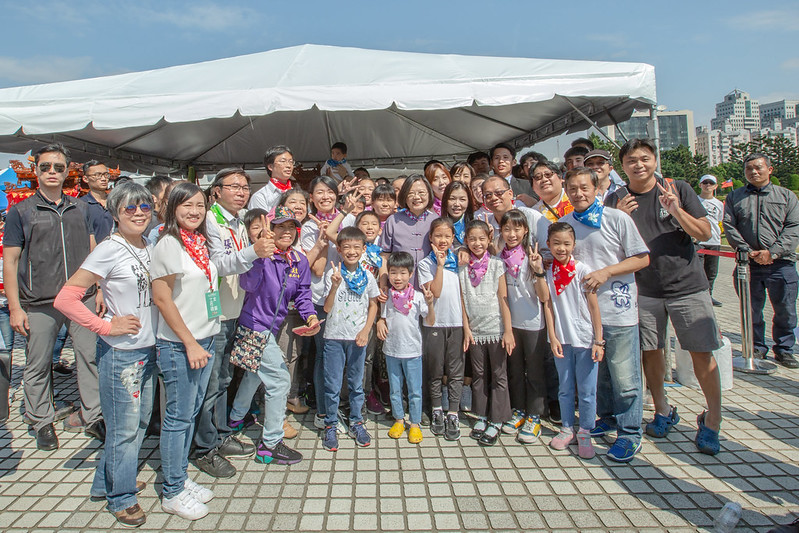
<point x="708" y="177"/>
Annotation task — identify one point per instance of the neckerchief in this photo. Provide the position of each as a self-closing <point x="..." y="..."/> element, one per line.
<point x="287" y="255"/>
<point x="562" y="274"/>
<point x="513" y="258"/>
<point x="478" y="268"/>
<point x="450" y="264"/>
<point x="373" y="256"/>
<point x="282" y="187"/>
<point x="437" y="206"/>
<point x="460" y="229"/>
<point x="413" y="217"/>
<point x="333" y="163"/>
<point x="195" y="247"/>
<point x="591" y="217"/>
<point x="327" y="217"/>
<point x="403" y="300"/>
<point x="356" y="280"/>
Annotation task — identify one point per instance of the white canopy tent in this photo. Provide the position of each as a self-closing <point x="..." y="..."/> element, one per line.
<point x="391" y="108"/>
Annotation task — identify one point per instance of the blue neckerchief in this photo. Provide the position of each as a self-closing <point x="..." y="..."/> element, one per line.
<point x="356" y="281"/>
<point x="460" y="229"/>
<point x="591" y="217"/>
<point x="450" y="264"/>
<point x="333" y="163"/>
<point x="373" y="252"/>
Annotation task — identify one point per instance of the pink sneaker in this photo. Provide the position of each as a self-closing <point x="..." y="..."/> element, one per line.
<point x="373" y="405"/>
<point x="562" y="440"/>
<point x="584" y="446"/>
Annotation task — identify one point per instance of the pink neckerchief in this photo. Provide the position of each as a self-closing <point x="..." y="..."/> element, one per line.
<point x="513" y="258"/>
<point x="437" y="205"/>
<point x="478" y="268"/>
<point x="327" y="217"/>
<point x="403" y="300"/>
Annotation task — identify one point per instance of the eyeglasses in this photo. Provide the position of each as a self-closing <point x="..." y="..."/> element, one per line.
<point x="99" y="175"/>
<point x="58" y="167"/>
<point x="236" y="188"/>
<point x="285" y="161"/>
<point x="490" y="194"/>
<point x="131" y="209"/>
<point x="543" y="176"/>
<point x="422" y="194"/>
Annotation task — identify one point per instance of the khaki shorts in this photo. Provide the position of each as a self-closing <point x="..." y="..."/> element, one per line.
<point x="691" y="315"/>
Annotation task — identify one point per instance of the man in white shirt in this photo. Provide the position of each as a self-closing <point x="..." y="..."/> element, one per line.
<point x="279" y="164"/>
<point x="715" y="213"/>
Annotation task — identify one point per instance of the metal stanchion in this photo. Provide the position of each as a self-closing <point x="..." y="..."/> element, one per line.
<point x="746" y="362"/>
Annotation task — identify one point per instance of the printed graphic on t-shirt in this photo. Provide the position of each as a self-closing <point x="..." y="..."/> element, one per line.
<point x="620" y="294"/>
<point x="142" y="286"/>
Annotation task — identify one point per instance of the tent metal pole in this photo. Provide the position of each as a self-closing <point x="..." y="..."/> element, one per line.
<point x="653" y="119"/>
<point x="592" y="122"/>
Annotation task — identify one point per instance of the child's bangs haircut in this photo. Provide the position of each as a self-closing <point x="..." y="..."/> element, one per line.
<point x="350" y="233"/>
<point x="401" y="260"/>
<point x="516" y="218"/>
<point x="340" y="146"/>
<point x="252" y="215"/>
<point x="437" y="223"/>
<point x="365" y="214"/>
<point x="561" y="227"/>
<point x="473" y="225"/>
<point x="383" y="191"/>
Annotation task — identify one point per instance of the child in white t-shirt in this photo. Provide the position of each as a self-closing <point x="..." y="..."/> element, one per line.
<point x="575" y="336"/>
<point x="399" y="328"/>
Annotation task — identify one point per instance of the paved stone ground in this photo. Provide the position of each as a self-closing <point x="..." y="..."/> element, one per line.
<point x="451" y="486"/>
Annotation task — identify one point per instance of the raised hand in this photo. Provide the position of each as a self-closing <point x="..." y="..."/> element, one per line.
<point x="441" y="257"/>
<point x="336" y="278"/>
<point x="428" y="295"/>
<point x="350" y="203"/>
<point x="265" y="245"/>
<point x="669" y="199"/>
<point x="535" y="260"/>
<point x="627" y="204"/>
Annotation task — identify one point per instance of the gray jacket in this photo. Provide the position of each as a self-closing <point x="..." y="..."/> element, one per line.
<point x="763" y="219"/>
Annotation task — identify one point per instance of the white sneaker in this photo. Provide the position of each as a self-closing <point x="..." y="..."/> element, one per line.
<point x="319" y="423"/>
<point x="185" y="506"/>
<point x="200" y="493"/>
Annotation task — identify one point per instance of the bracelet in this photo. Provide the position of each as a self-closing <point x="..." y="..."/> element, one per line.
<point x="541" y="275"/>
<point x="600" y="343"/>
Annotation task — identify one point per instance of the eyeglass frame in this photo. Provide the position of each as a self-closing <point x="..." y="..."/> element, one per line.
<point x="45" y="166"/>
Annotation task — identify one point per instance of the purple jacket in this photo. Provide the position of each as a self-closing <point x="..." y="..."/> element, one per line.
<point x="261" y="310"/>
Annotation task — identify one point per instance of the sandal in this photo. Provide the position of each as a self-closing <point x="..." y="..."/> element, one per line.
<point x="659" y="427"/>
<point x="707" y="440"/>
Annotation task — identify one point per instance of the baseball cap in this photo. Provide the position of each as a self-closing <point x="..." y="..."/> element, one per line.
<point x="284" y="214"/>
<point x="708" y="177"/>
<point x="604" y="154"/>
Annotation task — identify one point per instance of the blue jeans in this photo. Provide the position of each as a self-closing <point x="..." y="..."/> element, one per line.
<point x="411" y="369"/>
<point x="341" y="355"/>
<point x="577" y="368"/>
<point x="5" y="360"/>
<point x="60" y="341"/>
<point x="212" y="426"/>
<point x="619" y="387"/>
<point x="185" y="390"/>
<point x="319" y="362"/>
<point x="127" y="381"/>
<point x="275" y="376"/>
<point x="781" y="281"/>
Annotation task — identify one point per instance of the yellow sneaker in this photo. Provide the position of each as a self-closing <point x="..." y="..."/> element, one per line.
<point x="397" y="429"/>
<point x="415" y="435"/>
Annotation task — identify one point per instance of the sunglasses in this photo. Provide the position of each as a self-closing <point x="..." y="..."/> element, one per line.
<point x="131" y="209"/>
<point x="58" y="167"/>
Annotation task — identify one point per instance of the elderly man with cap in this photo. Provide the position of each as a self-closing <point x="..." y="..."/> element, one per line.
<point x="715" y="212"/>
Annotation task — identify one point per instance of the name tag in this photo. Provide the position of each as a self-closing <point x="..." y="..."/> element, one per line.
<point x="212" y="304"/>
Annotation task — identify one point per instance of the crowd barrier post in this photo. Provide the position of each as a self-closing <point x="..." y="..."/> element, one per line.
<point x="746" y="362"/>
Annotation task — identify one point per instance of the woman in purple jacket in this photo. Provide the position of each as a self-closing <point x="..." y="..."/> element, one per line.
<point x="270" y="285"/>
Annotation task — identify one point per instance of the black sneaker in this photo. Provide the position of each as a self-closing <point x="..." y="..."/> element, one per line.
<point x="279" y="455"/>
<point x="425" y="419"/>
<point x="490" y="436"/>
<point x="786" y="359"/>
<point x="554" y="412"/>
<point x="46" y="438"/>
<point x="96" y="430"/>
<point x="233" y="447"/>
<point x="716" y="303"/>
<point x="215" y="465"/>
<point x="62" y="368"/>
<point x="452" y="430"/>
<point x="437" y="424"/>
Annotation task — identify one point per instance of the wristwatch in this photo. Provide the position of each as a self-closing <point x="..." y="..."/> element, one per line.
<point x="600" y="343"/>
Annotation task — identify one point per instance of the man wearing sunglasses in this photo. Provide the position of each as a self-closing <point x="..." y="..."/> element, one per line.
<point x="47" y="237"/>
<point x="96" y="176"/>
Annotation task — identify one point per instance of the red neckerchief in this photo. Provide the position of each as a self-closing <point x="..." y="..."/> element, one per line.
<point x="195" y="247"/>
<point x="287" y="255"/>
<point x="282" y="187"/>
<point x="562" y="274"/>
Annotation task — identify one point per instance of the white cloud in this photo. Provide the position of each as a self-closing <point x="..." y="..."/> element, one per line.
<point x="790" y="64"/>
<point x="204" y="17"/>
<point x="33" y="70"/>
<point x="775" y="19"/>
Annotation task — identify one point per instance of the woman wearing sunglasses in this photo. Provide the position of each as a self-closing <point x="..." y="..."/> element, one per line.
<point x="126" y="345"/>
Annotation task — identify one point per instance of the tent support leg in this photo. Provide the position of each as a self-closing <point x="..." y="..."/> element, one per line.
<point x="594" y="124"/>
<point x="653" y="119"/>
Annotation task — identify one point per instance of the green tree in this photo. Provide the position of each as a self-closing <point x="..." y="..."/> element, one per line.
<point x="601" y="144"/>
<point x="783" y="154"/>
<point x="681" y="163"/>
<point x="793" y="182"/>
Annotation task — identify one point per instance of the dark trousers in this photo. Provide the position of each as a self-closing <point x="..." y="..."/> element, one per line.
<point x="780" y="280"/>
<point x="211" y="427"/>
<point x="443" y="354"/>
<point x="490" y="382"/>
<point x="527" y="372"/>
<point x="711" y="265"/>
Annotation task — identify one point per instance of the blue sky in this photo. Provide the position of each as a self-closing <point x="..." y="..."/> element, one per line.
<point x="700" y="50"/>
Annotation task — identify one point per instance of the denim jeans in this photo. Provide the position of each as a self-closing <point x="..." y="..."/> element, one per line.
<point x="577" y="368"/>
<point x="60" y="341"/>
<point x="619" y="387"/>
<point x="781" y="281"/>
<point x="340" y="356"/>
<point x="275" y="376"/>
<point x="127" y="382"/>
<point x="185" y="389"/>
<point x="5" y="360"/>
<point x="411" y="370"/>
<point x="212" y="426"/>
<point x="319" y="362"/>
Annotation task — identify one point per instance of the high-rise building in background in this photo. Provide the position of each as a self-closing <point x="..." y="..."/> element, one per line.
<point x="738" y="111"/>
<point x="781" y="110"/>
<point x="717" y="144"/>
<point x="676" y="128"/>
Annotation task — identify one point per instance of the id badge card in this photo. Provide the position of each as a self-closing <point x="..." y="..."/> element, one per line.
<point x="212" y="304"/>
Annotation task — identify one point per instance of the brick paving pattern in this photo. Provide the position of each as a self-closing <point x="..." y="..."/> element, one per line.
<point x="439" y="485"/>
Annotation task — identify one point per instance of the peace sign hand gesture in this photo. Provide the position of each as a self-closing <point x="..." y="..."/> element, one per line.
<point x="535" y="259"/>
<point x="428" y="295"/>
<point x="336" y="278"/>
<point x="669" y="199"/>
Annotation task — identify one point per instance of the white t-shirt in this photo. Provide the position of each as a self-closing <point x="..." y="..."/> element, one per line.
<point x="191" y="286"/>
<point x="614" y="241"/>
<point x="266" y="198"/>
<point x="124" y="270"/>
<point x="572" y="319"/>
<point x="348" y="316"/>
<point x="448" y="305"/>
<point x="308" y="236"/>
<point x="525" y="308"/>
<point x="404" y="339"/>
<point x="336" y="176"/>
<point x="715" y="212"/>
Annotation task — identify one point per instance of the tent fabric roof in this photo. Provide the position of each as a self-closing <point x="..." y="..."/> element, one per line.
<point x="389" y="107"/>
